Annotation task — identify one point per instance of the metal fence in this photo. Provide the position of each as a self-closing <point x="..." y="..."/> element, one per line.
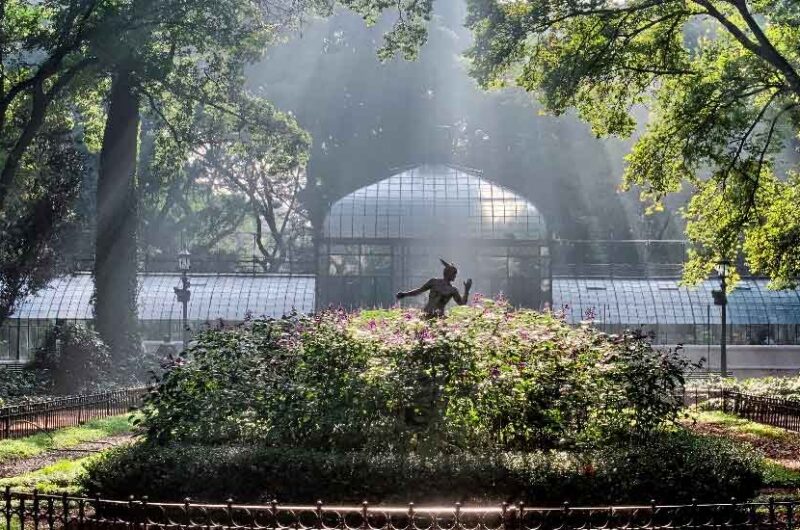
<point x="17" y="421"/>
<point x="50" y="512"/>
<point x="777" y="412"/>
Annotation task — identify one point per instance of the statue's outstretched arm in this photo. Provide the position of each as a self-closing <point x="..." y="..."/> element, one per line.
<point x="419" y="290"/>
<point x="457" y="297"/>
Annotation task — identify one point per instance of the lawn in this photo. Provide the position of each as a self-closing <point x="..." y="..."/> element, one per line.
<point x="58" y="477"/>
<point x="781" y="448"/>
<point x="66" y="438"/>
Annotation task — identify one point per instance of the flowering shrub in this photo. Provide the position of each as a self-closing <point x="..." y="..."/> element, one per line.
<point x="485" y="377"/>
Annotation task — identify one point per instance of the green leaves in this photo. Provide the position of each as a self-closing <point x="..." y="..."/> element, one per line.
<point x="485" y="377"/>
<point x="721" y="81"/>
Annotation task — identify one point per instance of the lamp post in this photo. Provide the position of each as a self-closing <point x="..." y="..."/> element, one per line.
<point x="182" y="293"/>
<point x="721" y="299"/>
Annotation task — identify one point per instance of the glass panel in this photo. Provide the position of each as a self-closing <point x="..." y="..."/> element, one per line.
<point x="381" y="265"/>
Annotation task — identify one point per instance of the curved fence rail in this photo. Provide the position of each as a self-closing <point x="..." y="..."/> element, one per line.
<point x="51" y="512"/>
<point x="17" y="421"/>
<point x="784" y="413"/>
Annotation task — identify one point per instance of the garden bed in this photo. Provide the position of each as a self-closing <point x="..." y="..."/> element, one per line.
<point x="488" y="404"/>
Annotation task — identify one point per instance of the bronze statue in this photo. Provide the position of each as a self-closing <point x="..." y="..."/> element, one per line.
<point x="441" y="291"/>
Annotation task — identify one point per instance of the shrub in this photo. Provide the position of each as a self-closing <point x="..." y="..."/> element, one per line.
<point x="674" y="466"/>
<point x="75" y="359"/>
<point x="15" y="385"/>
<point x="486" y="377"/>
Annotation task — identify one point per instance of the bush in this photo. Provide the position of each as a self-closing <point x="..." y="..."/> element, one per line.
<point x="486" y="377"/>
<point x="75" y="359"/>
<point x="15" y="385"/>
<point x="674" y="466"/>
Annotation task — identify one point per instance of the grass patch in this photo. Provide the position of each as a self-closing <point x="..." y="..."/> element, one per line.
<point x="62" y="476"/>
<point x="778" y="476"/>
<point x="741" y="425"/>
<point x="31" y="446"/>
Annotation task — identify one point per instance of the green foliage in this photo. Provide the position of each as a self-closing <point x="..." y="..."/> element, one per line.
<point x="75" y="360"/>
<point x="64" y="438"/>
<point x="183" y="58"/>
<point x="735" y="423"/>
<point x="239" y="166"/>
<point x="778" y="476"/>
<point x="21" y="384"/>
<point x="486" y="376"/>
<point x="721" y="81"/>
<point x="673" y="466"/>
<point x="488" y="403"/>
<point x="59" y="477"/>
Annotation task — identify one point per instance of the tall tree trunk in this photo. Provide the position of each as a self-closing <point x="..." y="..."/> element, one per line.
<point x="117" y="219"/>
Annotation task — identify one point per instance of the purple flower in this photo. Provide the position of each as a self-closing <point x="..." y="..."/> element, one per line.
<point x="425" y="335"/>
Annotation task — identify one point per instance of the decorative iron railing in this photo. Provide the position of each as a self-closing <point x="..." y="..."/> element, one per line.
<point x="17" y="421"/>
<point x="51" y="512"/>
<point x="773" y="411"/>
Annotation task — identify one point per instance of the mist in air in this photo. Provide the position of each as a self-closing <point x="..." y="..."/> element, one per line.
<point x="370" y="120"/>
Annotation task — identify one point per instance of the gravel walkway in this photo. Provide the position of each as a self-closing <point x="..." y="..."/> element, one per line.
<point x="14" y="468"/>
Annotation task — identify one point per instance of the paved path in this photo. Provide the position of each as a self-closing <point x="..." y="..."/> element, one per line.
<point x="14" y="468"/>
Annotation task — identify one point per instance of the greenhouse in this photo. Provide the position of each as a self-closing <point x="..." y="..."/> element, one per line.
<point x="389" y="236"/>
<point x="674" y="314"/>
<point x="215" y="298"/>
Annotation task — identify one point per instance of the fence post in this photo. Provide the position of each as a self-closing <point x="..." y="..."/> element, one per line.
<point x="7" y="514"/>
<point x="65" y="516"/>
<point x="771" y="511"/>
<point x="35" y="509"/>
<point x="724" y="400"/>
<point x="145" y="520"/>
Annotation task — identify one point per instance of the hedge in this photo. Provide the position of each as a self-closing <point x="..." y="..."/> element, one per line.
<point x="674" y="466"/>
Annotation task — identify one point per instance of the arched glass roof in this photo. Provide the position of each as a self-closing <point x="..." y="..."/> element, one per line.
<point x="433" y="200"/>
<point x="634" y="302"/>
<point x="219" y="296"/>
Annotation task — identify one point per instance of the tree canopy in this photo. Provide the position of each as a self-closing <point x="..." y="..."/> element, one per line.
<point x="721" y="81"/>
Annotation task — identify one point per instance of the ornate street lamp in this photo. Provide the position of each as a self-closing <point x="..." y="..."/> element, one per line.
<point x="182" y="293"/>
<point x="721" y="299"/>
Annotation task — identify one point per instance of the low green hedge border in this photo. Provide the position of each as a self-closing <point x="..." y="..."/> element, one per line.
<point x="671" y="467"/>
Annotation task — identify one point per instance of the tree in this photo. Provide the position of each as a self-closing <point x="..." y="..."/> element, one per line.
<point x="242" y="170"/>
<point x="264" y="163"/>
<point x="188" y="53"/>
<point x="721" y="79"/>
<point x="44" y="153"/>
